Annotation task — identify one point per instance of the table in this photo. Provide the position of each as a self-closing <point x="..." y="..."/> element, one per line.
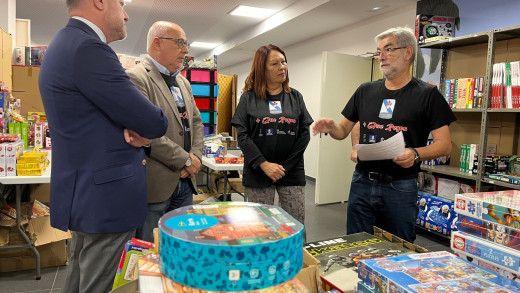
<point x="224" y="168"/>
<point x="18" y="181"/>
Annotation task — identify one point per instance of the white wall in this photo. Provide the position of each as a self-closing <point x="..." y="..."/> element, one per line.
<point x="304" y="61"/>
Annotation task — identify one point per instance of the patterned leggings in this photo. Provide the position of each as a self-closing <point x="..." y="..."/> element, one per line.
<point x="292" y="198"/>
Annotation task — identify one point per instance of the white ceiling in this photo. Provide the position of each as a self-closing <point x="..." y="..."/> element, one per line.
<point x="209" y="21"/>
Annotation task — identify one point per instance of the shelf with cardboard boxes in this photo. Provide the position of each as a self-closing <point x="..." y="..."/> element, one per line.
<point x="204" y="86"/>
<point x="473" y="61"/>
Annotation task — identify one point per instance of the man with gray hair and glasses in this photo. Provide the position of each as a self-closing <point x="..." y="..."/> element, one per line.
<point x="175" y="158"/>
<point x="384" y="192"/>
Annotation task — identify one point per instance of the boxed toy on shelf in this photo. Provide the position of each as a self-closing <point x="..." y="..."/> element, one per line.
<point x="433" y="26"/>
<point x="479" y="248"/>
<point x="440" y="272"/>
<point x="436" y="213"/>
<point x="494" y="232"/>
<point x="500" y="207"/>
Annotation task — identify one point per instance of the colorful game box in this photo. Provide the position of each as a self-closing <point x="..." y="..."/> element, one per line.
<point x="125" y="271"/>
<point x="230" y="246"/>
<point x="436" y="213"/>
<point x="511" y="276"/>
<point x="496" y="233"/>
<point x="439" y="272"/>
<point x="501" y="207"/>
<point x="339" y="257"/>
<point x="479" y="248"/>
<point x="152" y="280"/>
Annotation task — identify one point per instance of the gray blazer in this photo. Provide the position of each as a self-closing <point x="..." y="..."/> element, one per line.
<point x="167" y="157"/>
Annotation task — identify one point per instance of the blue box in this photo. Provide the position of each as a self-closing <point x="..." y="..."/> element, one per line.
<point x="431" y="272"/>
<point x="436" y="213"/>
<point x="501" y="256"/>
<point x="204" y="90"/>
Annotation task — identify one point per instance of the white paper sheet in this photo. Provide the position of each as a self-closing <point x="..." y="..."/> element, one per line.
<point x="385" y="150"/>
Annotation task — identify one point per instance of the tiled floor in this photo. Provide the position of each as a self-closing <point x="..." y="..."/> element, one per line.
<point x="321" y="222"/>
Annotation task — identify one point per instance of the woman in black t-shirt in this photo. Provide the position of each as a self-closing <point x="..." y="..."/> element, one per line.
<point x="272" y="123"/>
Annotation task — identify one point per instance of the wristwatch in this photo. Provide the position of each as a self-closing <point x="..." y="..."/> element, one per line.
<point x="417" y="157"/>
<point x="188" y="162"/>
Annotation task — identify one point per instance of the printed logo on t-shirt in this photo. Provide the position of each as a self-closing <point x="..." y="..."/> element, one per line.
<point x="275" y="107"/>
<point x="269" y="131"/>
<point x="387" y="109"/>
<point x="278" y="131"/>
<point x="372" y="138"/>
<point x="177" y="96"/>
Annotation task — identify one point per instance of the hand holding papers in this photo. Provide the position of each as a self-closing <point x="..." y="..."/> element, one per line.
<point x="385" y="150"/>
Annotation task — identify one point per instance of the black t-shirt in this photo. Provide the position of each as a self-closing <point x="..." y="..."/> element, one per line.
<point x="416" y="110"/>
<point x="276" y="130"/>
<point x="171" y="81"/>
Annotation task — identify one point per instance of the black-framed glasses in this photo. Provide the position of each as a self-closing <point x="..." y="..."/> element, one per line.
<point x="181" y="43"/>
<point x="387" y="50"/>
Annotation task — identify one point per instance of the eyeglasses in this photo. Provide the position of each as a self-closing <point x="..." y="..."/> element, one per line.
<point x="181" y="43"/>
<point x="388" y="50"/>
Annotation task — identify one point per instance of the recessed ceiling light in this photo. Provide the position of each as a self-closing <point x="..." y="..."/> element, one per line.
<point x="204" y="45"/>
<point x="128" y="1"/>
<point x="377" y="8"/>
<point x="254" y="12"/>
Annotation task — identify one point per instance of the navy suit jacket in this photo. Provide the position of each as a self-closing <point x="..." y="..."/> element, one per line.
<point x="98" y="181"/>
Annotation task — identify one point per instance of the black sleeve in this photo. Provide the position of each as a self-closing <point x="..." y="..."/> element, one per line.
<point x="240" y="121"/>
<point x="350" y="111"/>
<point x="305" y="120"/>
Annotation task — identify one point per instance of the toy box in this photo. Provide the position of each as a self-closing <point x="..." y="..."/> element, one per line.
<point x="479" y="248"/>
<point x="339" y="257"/>
<point x="500" y="207"/>
<point x="428" y="183"/>
<point x="230" y="246"/>
<point x="494" y="232"/>
<point x="129" y="258"/>
<point x="511" y="276"/>
<point x="152" y="280"/>
<point x="439" y="272"/>
<point x="364" y="288"/>
<point x="431" y="26"/>
<point x="436" y="213"/>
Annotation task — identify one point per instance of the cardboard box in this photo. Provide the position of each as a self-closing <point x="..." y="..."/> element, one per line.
<point x="50" y="242"/>
<point x="233" y="185"/>
<point x="309" y="274"/>
<point x="25" y="87"/>
<point x="198" y="198"/>
<point x="339" y="257"/>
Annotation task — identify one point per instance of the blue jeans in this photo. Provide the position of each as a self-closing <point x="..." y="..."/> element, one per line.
<point x="389" y="206"/>
<point x="182" y="196"/>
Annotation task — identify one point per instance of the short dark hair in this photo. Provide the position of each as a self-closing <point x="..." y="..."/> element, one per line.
<point x="72" y="3"/>
<point x="256" y="80"/>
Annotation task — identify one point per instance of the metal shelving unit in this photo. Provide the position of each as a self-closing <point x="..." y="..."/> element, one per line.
<point x="490" y="38"/>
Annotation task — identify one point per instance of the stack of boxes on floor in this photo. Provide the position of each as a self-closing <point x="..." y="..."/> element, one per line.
<point x="489" y="230"/>
<point x="223" y="247"/>
<point x="435" y="202"/>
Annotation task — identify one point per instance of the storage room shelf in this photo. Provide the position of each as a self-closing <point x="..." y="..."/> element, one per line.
<point x="449" y="170"/>
<point x="476" y="110"/>
<point x="500" y="183"/>
<point x="503" y="110"/>
<point x="433" y="232"/>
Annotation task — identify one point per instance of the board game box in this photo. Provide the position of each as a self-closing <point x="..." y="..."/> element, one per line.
<point x="479" y="248"/>
<point x="339" y="257"/>
<point x="439" y="272"/>
<point x="501" y="207"/>
<point x="494" y="232"/>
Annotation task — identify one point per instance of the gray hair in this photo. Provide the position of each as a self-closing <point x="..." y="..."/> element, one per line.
<point x="405" y="37"/>
<point x="158" y="29"/>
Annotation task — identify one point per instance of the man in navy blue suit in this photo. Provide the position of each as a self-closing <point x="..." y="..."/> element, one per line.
<point x="99" y="122"/>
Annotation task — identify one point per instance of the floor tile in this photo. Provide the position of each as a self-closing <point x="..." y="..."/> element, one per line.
<point x="24" y="281"/>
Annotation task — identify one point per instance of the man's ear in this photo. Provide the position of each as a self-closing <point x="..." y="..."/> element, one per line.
<point x="99" y="4"/>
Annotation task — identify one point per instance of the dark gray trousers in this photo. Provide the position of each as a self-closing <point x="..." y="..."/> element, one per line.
<point x="93" y="261"/>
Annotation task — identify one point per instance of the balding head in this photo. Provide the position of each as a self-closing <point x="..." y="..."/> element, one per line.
<point x="162" y="29"/>
<point x="163" y="44"/>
